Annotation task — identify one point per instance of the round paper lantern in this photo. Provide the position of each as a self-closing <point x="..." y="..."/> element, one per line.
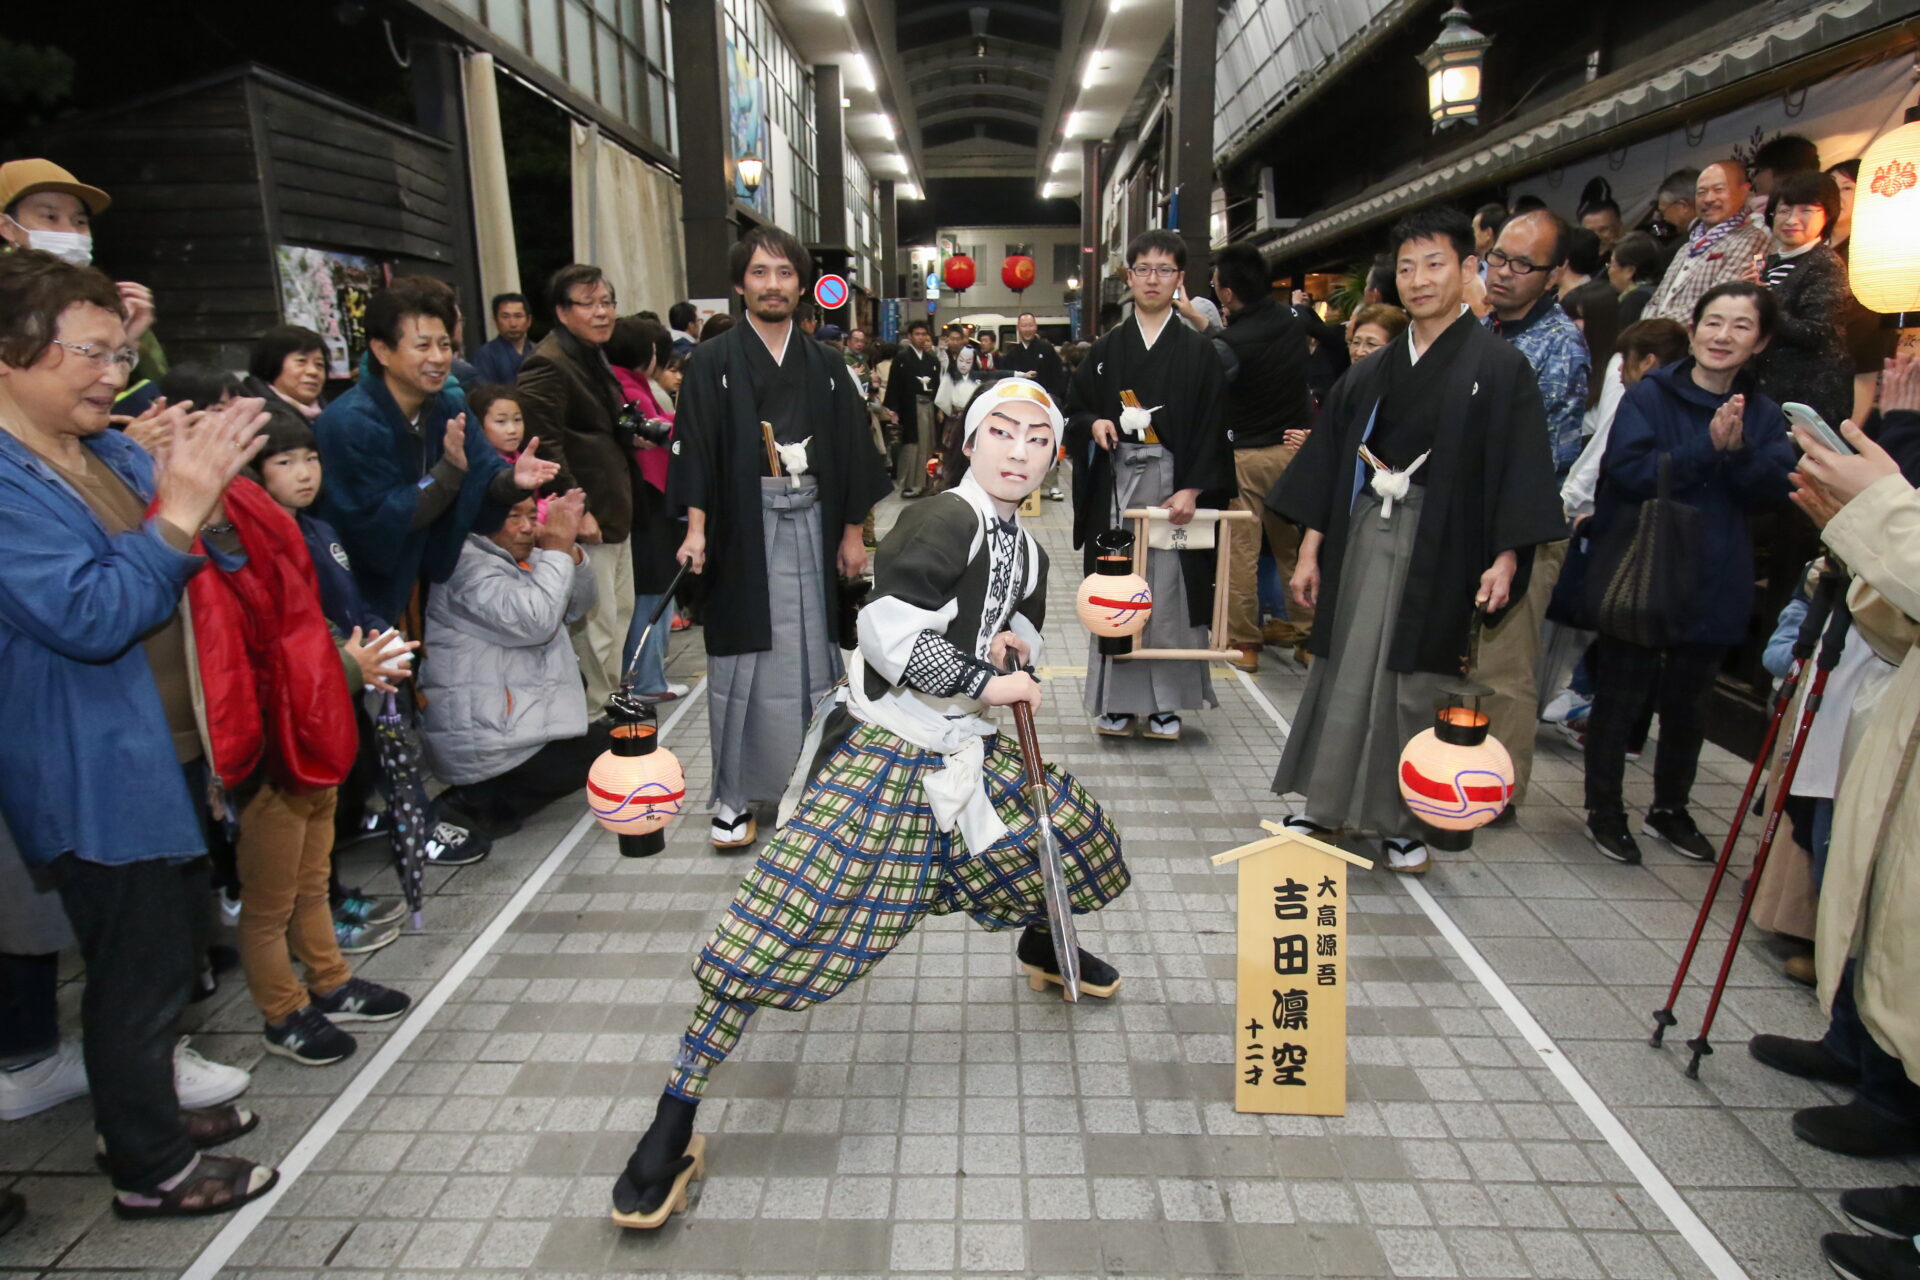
<point x="1017" y="273"/>
<point x="1114" y="602"/>
<point x="635" y="788"/>
<point x="1455" y="776"/>
<point x="1884" y="251"/>
<point x="958" y="273"/>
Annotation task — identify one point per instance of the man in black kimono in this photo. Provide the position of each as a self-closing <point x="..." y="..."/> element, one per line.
<point x="771" y="539"/>
<point x="910" y="388"/>
<point x="1424" y="488"/>
<point x="1148" y="429"/>
<point x="1034" y="356"/>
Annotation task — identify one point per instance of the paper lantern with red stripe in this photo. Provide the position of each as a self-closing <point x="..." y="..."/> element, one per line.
<point x="1114" y="602"/>
<point x="636" y="794"/>
<point x="1456" y="776"/>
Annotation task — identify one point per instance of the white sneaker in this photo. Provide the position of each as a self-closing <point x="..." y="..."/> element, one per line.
<point x="678" y="688"/>
<point x="1408" y="857"/>
<point x="49" y="1082"/>
<point x="200" y="1082"/>
<point x="1564" y="706"/>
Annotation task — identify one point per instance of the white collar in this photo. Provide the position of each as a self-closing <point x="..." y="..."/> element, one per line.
<point x="1413" y="352"/>
<point x="1788" y="254"/>
<point x="1145" y="340"/>
<point x="981" y="501"/>
<point x="786" y="340"/>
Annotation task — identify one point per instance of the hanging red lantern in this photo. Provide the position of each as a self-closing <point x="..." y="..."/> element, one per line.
<point x="1017" y="273"/>
<point x="1456" y="776"/>
<point x="958" y="273"/>
<point x="1114" y="602"/>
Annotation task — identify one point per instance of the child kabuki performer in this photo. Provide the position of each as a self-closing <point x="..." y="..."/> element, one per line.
<point x="920" y="810"/>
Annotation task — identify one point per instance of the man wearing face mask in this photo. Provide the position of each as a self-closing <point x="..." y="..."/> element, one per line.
<point x="48" y="209"/>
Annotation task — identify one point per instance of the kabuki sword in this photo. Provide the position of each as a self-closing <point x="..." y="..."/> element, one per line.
<point x="1046" y="852"/>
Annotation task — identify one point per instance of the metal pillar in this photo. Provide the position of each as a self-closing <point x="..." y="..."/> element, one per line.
<point x="890" y="284"/>
<point x="830" y="154"/>
<point x="706" y="168"/>
<point x="1196" y="36"/>
<point x="1093" y="254"/>
<point x="439" y="109"/>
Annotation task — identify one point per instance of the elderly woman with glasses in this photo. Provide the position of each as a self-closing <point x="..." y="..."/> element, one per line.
<point x="95" y="553"/>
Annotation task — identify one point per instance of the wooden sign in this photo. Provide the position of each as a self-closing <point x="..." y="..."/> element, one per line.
<point x="1290" y="1024"/>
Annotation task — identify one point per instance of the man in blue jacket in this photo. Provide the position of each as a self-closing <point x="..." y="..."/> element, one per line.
<point x="408" y="476"/>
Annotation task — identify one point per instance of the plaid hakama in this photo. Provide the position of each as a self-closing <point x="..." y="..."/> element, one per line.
<point x="858" y="866"/>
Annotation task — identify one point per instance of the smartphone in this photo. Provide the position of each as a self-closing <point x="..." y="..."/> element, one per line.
<point x="1799" y="415"/>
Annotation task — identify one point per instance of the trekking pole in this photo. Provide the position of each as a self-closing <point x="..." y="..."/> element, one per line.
<point x="1836" y="639"/>
<point x="1825" y="593"/>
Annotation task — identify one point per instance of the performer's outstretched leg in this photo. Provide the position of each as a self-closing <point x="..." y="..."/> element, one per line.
<point x="668" y="1154"/>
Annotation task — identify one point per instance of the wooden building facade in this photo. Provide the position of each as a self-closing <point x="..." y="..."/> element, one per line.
<point x="213" y="182"/>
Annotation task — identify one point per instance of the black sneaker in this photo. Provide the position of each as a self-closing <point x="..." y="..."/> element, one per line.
<point x="1893" y="1212"/>
<point x="309" y="1039"/>
<point x="1807" y="1059"/>
<point x="376" y="825"/>
<point x="452" y="845"/>
<point x="1870" y="1257"/>
<point x="1675" y="827"/>
<point x="357" y="1000"/>
<point x="1855" y="1129"/>
<point x="1608" y="831"/>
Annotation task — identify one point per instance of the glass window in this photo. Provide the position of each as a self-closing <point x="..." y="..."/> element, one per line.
<point x="650" y="12"/>
<point x="1066" y="262"/>
<point x="543" y="16"/>
<point x="579" y="47"/>
<point x="608" y="51"/>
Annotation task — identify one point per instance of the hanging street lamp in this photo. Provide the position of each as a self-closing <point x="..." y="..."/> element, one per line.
<point x="1453" y="63"/>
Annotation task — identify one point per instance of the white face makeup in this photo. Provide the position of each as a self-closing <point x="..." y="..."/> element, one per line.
<point x="1013" y="449"/>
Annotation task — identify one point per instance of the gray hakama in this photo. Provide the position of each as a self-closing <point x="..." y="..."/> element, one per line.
<point x="1356" y="716"/>
<point x="759" y="703"/>
<point x="1143" y="477"/>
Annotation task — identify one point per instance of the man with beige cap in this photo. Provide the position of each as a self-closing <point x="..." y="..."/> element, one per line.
<point x="44" y="207"/>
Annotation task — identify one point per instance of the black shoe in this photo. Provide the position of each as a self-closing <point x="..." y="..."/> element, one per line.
<point x="1608" y="831"/>
<point x="1042" y="963"/>
<point x="1886" y="1211"/>
<point x="1808" y="1059"/>
<point x="376" y="825"/>
<point x="1856" y="1130"/>
<point x="13" y="1207"/>
<point x="309" y="1039"/>
<point x="1870" y="1257"/>
<point x="1675" y="827"/>
<point x="451" y="845"/>
<point x="357" y="1000"/>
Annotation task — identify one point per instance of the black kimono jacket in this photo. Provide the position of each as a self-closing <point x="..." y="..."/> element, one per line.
<point x="1181" y="376"/>
<point x="719" y="459"/>
<point x="1490" y="488"/>
<point x="903" y="384"/>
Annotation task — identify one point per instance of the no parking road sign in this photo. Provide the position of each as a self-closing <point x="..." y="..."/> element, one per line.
<point x="830" y="292"/>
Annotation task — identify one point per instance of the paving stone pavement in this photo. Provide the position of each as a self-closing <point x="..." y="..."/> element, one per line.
<point x="941" y="1119"/>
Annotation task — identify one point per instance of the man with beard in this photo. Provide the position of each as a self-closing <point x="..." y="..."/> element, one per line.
<point x="910" y="388"/>
<point x="769" y="545"/>
<point x="1148" y="429"/>
<point x="1429" y="457"/>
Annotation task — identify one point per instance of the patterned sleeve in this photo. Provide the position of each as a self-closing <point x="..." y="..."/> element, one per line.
<point x="938" y="668"/>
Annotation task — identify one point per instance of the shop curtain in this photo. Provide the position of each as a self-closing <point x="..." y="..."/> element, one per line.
<point x="487" y="163"/>
<point x="626" y="220"/>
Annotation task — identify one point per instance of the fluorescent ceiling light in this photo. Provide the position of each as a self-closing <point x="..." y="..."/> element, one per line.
<point x="886" y="125"/>
<point x="866" y="70"/>
<point x="906" y="191"/>
<point x="1091" y="76"/>
<point x="1060" y="160"/>
<point x="839" y="8"/>
<point x="1078" y="123"/>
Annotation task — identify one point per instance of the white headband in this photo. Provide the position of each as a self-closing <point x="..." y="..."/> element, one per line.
<point x="1013" y="388"/>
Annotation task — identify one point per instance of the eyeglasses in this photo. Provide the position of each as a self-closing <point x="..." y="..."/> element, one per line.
<point x="593" y="304"/>
<point x="1519" y="266"/>
<point x="1363" y="346"/>
<point x="100" y="356"/>
<point x="1145" y="272"/>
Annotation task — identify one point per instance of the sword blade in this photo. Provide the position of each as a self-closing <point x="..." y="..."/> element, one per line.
<point x="1053" y="879"/>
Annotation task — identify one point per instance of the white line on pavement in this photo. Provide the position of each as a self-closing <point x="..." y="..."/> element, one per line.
<point x="221" y="1248"/>
<point x="1688" y="1223"/>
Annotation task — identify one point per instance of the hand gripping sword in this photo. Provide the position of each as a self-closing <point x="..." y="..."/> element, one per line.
<point x="1046" y="852"/>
